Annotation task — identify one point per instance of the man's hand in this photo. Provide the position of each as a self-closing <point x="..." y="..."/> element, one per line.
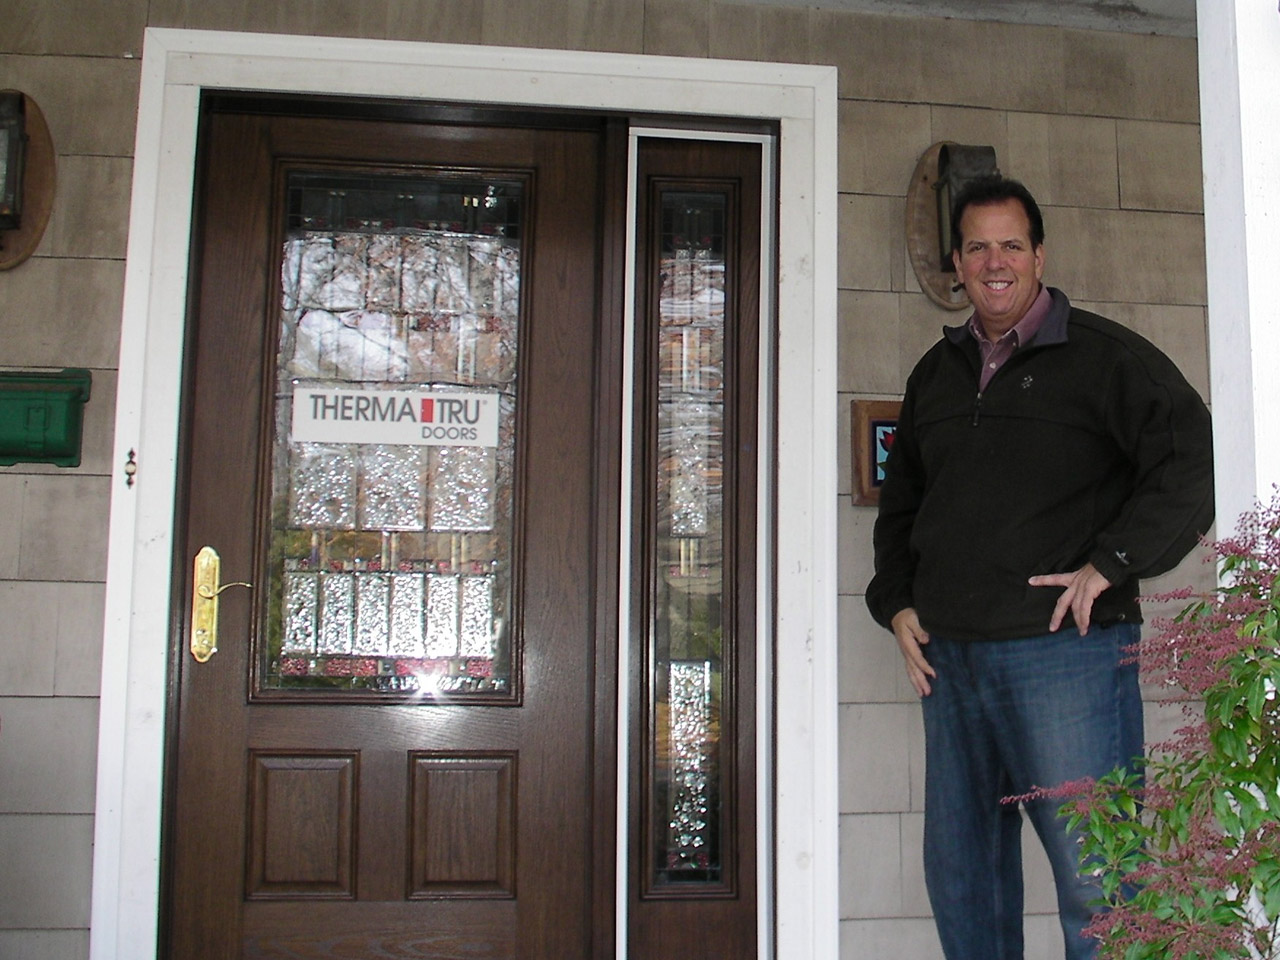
<point x="1083" y="587"/>
<point x="911" y="637"/>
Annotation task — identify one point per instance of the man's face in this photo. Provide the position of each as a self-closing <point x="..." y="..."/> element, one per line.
<point x="997" y="264"/>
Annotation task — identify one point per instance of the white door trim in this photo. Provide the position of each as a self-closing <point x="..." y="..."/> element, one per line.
<point x="177" y="65"/>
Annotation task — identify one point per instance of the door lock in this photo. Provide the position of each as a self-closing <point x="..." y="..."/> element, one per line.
<point x="204" y="603"/>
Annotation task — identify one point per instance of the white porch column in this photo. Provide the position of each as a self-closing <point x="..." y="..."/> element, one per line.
<point x="1239" y="51"/>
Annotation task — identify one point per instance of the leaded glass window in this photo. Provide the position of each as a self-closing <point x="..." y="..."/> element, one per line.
<point x="393" y="461"/>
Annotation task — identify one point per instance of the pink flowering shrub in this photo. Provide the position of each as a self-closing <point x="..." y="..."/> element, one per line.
<point x="1189" y="862"/>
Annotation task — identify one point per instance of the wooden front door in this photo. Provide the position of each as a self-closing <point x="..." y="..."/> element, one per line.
<point x="397" y="430"/>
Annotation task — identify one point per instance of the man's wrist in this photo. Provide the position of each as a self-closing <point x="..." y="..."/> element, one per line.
<point x="904" y="614"/>
<point x="1113" y="565"/>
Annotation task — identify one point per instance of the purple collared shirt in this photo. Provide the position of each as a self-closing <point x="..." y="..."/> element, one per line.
<point x="995" y="354"/>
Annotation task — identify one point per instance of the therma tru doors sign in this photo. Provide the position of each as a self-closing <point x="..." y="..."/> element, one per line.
<point x="427" y="418"/>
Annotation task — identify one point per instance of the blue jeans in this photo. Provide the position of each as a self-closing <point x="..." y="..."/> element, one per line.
<point x="1004" y="718"/>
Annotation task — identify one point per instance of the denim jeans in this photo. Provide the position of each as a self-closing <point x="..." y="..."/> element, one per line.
<point x="1004" y="718"/>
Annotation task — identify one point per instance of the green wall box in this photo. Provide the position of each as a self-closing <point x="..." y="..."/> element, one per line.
<point x="41" y="416"/>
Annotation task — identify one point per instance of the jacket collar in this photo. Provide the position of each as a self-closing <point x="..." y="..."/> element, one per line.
<point x="1052" y="330"/>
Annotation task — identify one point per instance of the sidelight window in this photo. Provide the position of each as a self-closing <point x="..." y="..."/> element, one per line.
<point x="689" y="702"/>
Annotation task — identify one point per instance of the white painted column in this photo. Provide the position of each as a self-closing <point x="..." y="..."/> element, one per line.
<point x="1239" y="50"/>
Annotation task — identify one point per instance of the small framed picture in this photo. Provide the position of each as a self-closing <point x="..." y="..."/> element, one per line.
<point x="875" y="422"/>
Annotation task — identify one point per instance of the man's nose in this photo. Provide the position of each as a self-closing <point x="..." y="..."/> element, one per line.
<point x="994" y="258"/>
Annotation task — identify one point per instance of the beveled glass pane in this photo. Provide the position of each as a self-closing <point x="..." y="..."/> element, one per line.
<point x="686" y="846"/>
<point x="407" y="636"/>
<point x="337" y="613"/>
<point x="394" y="444"/>
<point x="476" y="637"/>
<point x="393" y="487"/>
<point x="687" y="680"/>
<point x="442" y="616"/>
<point x="301" y="604"/>
<point x="373" y="615"/>
<point x="323" y="488"/>
<point x="462" y="494"/>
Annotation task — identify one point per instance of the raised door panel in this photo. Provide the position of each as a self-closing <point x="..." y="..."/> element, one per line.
<point x="462" y="842"/>
<point x="301" y="826"/>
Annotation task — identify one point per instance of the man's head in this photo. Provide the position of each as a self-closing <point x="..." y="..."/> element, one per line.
<point x="987" y="190"/>
<point x="998" y="251"/>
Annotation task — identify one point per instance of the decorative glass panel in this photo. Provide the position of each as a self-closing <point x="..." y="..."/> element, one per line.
<point x="394" y="446"/>
<point x="373" y="615"/>
<point x="687" y="654"/>
<point x="301" y="602"/>
<point x="393" y="487"/>
<point x="337" y="595"/>
<point x="442" y="616"/>
<point x="686" y="846"/>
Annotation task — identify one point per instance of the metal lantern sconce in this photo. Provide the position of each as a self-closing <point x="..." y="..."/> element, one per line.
<point x="941" y="173"/>
<point x="26" y="177"/>
<point x="13" y="152"/>
<point x="957" y="166"/>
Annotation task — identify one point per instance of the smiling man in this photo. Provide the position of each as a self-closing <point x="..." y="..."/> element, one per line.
<point x="1045" y="460"/>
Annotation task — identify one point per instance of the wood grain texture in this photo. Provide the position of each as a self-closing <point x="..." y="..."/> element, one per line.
<point x="301" y="826"/>
<point x="462" y="843"/>
<point x="388" y="826"/>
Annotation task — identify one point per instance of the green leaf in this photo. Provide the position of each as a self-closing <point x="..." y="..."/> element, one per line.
<point x="1257" y="697"/>
<point x="1249" y="808"/>
<point x="1270" y="893"/>
<point x="1224" y="711"/>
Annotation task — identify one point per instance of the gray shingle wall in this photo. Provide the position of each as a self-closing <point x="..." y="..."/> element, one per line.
<point x="1103" y="127"/>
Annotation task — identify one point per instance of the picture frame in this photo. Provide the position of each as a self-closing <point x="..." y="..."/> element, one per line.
<point x="874" y="424"/>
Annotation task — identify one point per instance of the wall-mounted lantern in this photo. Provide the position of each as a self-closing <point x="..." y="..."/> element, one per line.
<point x="27" y="177"/>
<point x="957" y="166"/>
<point x="941" y="173"/>
<point x="13" y="152"/>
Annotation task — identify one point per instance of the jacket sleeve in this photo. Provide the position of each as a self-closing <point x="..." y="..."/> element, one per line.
<point x="1163" y="426"/>
<point x="890" y="589"/>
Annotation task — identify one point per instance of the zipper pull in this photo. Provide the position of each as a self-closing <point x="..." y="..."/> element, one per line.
<point x="977" y="406"/>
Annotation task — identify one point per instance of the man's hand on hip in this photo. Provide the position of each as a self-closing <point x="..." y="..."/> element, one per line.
<point x="1082" y="588"/>
<point x="911" y="638"/>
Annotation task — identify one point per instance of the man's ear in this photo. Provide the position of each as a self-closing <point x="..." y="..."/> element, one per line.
<point x="1040" y="261"/>
<point x="955" y="260"/>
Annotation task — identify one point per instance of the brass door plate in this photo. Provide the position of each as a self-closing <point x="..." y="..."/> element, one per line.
<point x="204" y="604"/>
<point x="206" y="585"/>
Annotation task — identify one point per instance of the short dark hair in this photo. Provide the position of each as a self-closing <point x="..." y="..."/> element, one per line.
<point x="988" y="190"/>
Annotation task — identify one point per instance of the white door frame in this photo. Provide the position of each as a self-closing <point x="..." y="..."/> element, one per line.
<point x="177" y="65"/>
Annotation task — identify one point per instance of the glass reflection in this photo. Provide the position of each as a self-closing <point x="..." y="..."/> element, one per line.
<point x="390" y="543"/>
<point x="687" y="648"/>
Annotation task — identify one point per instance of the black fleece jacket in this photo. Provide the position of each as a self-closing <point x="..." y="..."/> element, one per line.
<point x="1088" y="445"/>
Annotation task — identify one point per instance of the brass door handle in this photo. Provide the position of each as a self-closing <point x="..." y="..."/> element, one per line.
<point x="204" y="603"/>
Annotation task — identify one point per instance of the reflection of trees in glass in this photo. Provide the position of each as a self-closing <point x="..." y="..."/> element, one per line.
<point x="421" y="289"/>
<point x="687" y="674"/>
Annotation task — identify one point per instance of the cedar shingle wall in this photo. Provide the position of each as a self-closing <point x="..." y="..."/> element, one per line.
<point x="1103" y="127"/>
